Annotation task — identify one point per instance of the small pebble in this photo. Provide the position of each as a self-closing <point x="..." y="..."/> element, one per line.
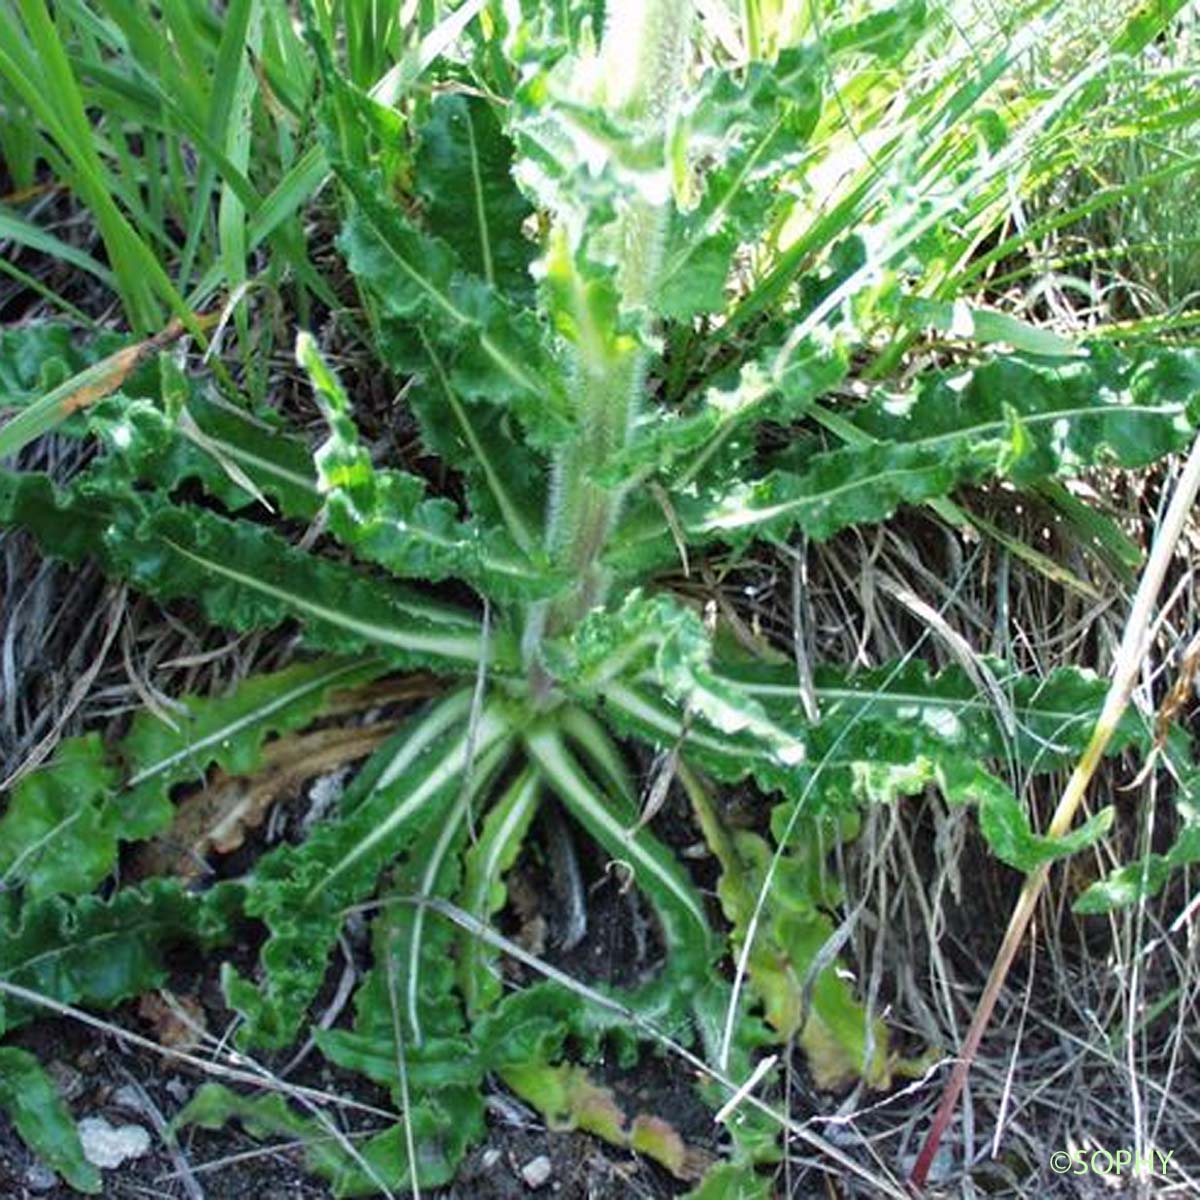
<point x="489" y="1159"/>
<point x="536" y="1172"/>
<point x="40" y="1178"/>
<point x="108" y="1146"/>
<point x="324" y="793"/>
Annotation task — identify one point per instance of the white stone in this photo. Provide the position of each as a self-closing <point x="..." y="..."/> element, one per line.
<point x="40" y="1178"/>
<point x="536" y="1172"/>
<point x="107" y="1146"/>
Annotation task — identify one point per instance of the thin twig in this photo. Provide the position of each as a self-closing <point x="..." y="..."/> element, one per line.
<point x="269" y="1082"/>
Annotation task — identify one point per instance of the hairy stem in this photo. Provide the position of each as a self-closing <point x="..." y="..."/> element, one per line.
<point x="610" y="368"/>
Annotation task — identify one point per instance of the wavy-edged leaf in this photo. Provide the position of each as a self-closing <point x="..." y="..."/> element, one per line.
<point x="493" y="352"/>
<point x="160" y="426"/>
<point x="732" y="1181"/>
<point x="506" y="481"/>
<point x="226" y="731"/>
<point x="99" y="952"/>
<point x="245" y="577"/>
<point x="1031" y="419"/>
<point x="534" y="1025"/>
<point x="31" y="1102"/>
<point x="36" y="357"/>
<point x="718" y="429"/>
<point x="65" y="526"/>
<point x="83" y="389"/>
<point x="353" y="1168"/>
<point x="658" y="636"/>
<point x="1039" y="724"/>
<point x="803" y="995"/>
<point x="237" y="459"/>
<point x="464" y="174"/>
<point x="747" y="129"/>
<point x="301" y="892"/>
<point x="388" y="518"/>
<point x="279" y="464"/>
<point x="569" y="1098"/>
<point x="1147" y="876"/>
<point x="837" y="490"/>
<point x="888" y="32"/>
<point x="1010" y="837"/>
<point x="59" y="830"/>
<point x="442" y="1071"/>
<point x="443" y="1056"/>
<point x="884" y="733"/>
<point x="756" y="1135"/>
<point x="64" y="822"/>
<point x="407" y="1016"/>
<point x="1011" y="417"/>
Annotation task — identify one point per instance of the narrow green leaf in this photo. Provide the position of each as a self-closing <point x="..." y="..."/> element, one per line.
<point x="388" y="518"/>
<point x="464" y="173"/>
<point x="30" y="1100"/>
<point x="483" y="893"/>
<point x="15" y="228"/>
<point x="982" y="326"/>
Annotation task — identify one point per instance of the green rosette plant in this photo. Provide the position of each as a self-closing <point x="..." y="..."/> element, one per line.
<point x="573" y="245"/>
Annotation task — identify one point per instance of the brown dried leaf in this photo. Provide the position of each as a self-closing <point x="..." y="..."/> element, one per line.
<point x="177" y="1021"/>
<point x="216" y="818"/>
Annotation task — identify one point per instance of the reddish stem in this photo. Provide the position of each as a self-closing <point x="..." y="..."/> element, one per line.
<point x="1013" y="937"/>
